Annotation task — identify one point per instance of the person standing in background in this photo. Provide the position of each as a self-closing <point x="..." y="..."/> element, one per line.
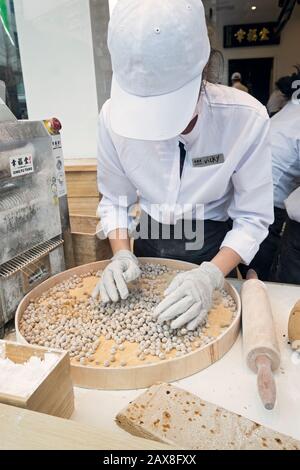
<point x="236" y="82"/>
<point x="282" y="93"/>
<point x="285" y="143"/>
<point x="276" y="102"/>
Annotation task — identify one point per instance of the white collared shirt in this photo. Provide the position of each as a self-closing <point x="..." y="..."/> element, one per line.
<point x="231" y="124"/>
<point x="285" y="141"/>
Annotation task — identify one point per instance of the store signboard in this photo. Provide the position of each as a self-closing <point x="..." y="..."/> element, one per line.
<point x="251" y="35"/>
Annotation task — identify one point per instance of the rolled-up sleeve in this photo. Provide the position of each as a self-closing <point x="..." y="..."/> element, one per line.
<point x="117" y="191"/>
<point x="252" y="207"/>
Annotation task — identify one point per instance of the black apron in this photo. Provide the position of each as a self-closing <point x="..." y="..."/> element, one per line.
<point x="263" y="263"/>
<point x="172" y="248"/>
<point x="286" y="267"/>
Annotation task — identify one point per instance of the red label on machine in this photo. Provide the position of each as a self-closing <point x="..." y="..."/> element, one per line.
<point x="21" y="165"/>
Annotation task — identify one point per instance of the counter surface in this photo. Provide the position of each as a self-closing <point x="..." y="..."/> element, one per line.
<point x="227" y="383"/>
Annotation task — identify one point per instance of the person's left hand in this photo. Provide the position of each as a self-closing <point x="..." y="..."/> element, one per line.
<point x="188" y="299"/>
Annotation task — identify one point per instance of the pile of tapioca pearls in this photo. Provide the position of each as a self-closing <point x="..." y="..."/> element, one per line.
<point x="61" y="320"/>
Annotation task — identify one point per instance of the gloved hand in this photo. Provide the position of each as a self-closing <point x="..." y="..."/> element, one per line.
<point x="188" y="299"/>
<point x="124" y="268"/>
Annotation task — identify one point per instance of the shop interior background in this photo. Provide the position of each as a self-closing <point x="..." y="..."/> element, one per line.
<point x="54" y="58"/>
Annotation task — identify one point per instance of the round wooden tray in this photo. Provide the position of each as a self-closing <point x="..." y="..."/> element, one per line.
<point x="141" y="376"/>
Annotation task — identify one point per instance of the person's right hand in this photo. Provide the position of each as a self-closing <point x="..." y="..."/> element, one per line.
<point x="124" y="268"/>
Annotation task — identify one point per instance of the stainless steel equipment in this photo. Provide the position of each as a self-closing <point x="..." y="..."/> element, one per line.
<point x="54" y="126"/>
<point x="31" y="212"/>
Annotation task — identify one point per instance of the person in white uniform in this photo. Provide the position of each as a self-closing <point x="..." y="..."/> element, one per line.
<point x="193" y="151"/>
<point x="285" y="143"/>
<point x="282" y="93"/>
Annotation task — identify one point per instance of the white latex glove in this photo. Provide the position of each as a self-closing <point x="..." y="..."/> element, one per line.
<point x="124" y="268"/>
<point x="188" y="299"/>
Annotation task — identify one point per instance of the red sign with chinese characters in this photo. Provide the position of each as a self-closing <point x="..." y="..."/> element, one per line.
<point x="250" y="35"/>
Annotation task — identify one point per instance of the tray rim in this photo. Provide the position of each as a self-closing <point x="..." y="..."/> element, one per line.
<point x="77" y="369"/>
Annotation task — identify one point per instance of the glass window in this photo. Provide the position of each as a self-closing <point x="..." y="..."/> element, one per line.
<point x="10" y="63"/>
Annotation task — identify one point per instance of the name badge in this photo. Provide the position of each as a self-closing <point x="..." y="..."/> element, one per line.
<point x="208" y="161"/>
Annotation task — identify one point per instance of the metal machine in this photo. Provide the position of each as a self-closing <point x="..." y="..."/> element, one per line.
<point x="34" y="219"/>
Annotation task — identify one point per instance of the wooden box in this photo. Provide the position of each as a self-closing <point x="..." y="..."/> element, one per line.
<point x="83" y="194"/>
<point x="88" y="248"/>
<point x="54" y="395"/>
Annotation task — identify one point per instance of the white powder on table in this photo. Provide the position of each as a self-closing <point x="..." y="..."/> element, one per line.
<point x="22" y="379"/>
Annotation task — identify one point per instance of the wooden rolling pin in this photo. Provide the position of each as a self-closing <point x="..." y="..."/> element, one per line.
<point x="259" y="337"/>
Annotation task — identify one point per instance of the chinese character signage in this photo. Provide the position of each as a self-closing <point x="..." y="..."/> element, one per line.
<point x="250" y="35"/>
<point x="21" y="165"/>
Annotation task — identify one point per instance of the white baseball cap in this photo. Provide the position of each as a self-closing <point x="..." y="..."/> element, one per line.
<point x="159" y="49"/>
<point x="236" y="76"/>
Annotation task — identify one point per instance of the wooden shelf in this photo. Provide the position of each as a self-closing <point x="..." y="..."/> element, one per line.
<point x="81" y="164"/>
<point x="83" y="194"/>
